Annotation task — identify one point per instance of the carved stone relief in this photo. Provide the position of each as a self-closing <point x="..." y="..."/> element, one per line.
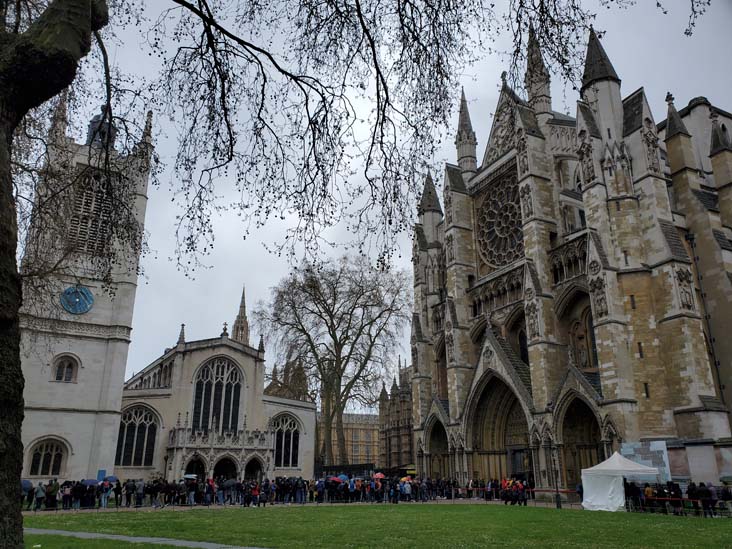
<point x="449" y="347"/>
<point x="594" y="267"/>
<point x="650" y="143"/>
<point x="526" y="201"/>
<point x="532" y="319"/>
<point x="599" y="299"/>
<point x="522" y="153"/>
<point x="584" y="152"/>
<point x="448" y="207"/>
<point x="686" y="293"/>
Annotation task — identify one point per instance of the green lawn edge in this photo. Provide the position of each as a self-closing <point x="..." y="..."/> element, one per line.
<point x="404" y="525"/>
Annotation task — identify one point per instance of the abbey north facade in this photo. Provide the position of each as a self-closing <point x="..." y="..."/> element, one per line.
<point x="573" y="287"/>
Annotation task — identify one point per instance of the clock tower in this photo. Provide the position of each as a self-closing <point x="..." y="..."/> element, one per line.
<point x="76" y="322"/>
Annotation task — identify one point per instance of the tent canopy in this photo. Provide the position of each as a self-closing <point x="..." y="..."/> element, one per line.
<point x="617" y="465"/>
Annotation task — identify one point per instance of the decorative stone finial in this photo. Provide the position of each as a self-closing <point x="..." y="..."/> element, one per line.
<point x="669" y="98"/>
<point x="225" y="332"/>
<point x="182" y="334"/>
<point x="261" y="343"/>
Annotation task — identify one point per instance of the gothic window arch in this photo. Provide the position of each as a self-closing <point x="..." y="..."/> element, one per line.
<point x="47" y="458"/>
<point x="65" y="369"/>
<point x="217" y="396"/>
<point x="287" y="441"/>
<point x="136" y="440"/>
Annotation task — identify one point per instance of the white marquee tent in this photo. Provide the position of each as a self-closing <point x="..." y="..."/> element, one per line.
<point x="602" y="484"/>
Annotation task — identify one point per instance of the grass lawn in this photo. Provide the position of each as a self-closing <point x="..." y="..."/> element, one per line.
<point x="406" y="525"/>
<point x="63" y="542"/>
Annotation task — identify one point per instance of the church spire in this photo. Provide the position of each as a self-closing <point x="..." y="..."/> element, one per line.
<point x="674" y="124"/>
<point x="429" y="201"/>
<point x="720" y="139"/>
<point x="465" y="141"/>
<point x="597" y="63"/>
<point x="240" y="331"/>
<point x="537" y="80"/>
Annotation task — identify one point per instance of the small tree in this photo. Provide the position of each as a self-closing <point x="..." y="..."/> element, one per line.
<point x="345" y="319"/>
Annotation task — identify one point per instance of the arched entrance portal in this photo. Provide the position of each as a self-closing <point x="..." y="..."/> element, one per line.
<point x="500" y="435"/>
<point x="196" y="467"/>
<point x="253" y="470"/>
<point x="581" y="446"/>
<point x="225" y="468"/>
<point x="438" y="452"/>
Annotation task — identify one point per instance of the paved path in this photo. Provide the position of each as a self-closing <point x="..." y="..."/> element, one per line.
<point x="130" y="539"/>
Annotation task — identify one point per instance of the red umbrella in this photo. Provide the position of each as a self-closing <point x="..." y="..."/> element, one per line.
<point x="379" y="475"/>
<point x="334" y="479"/>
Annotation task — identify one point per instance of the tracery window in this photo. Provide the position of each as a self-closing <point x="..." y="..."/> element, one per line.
<point x="216" y="396"/>
<point x="287" y="441"/>
<point x="136" y="440"/>
<point x="498" y="214"/>
<point x="65" y="369"/>
<point x="47" y="458"/>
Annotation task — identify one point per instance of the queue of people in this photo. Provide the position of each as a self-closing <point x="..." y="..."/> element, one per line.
<point x="703" y="499"/>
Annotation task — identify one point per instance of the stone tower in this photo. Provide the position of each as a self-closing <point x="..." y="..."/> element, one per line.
<point x="74" y="345"/>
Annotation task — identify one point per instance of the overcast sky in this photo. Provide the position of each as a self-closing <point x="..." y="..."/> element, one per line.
<point x="647" y="48"/>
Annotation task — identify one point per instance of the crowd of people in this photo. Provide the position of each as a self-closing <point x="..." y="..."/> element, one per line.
<point x="87" y="494"/>
<point x="701" y="499"/>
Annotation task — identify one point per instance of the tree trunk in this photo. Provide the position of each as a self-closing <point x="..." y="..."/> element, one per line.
<point x="327" y="431"/>
<point x="34" y="67"/>
<point x="11" y="376"/>
<point x="341" y="435"/>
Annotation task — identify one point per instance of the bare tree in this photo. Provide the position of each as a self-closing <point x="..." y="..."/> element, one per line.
<point x="325" y="109"/>
<point x="344" y="319"/>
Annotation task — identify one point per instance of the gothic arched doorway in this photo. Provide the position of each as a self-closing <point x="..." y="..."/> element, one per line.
<point x="225" y="468"/>
<point x="438" y="452"/>
<point x="500" y="435"/>
<point x="196" y="467"/>
<point x="253" y="470"/>
<point x="581" y="446"/>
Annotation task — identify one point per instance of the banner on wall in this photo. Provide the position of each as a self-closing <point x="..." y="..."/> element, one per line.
<point x="650" y="453"/>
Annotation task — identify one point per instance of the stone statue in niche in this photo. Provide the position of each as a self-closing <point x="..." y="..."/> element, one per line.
<point x="597" y="291"/>
<point x="449" y="347"/>
<point x="522" y="153"/>
<point x="532" y="319"/>
<point x="686" y="294"/>
<point x="415" y="357"/>
<point x="650" y="142"/>
<point x="526" y="203"/>
<point x="449" y="247"/>
<point x="587" y="162"/>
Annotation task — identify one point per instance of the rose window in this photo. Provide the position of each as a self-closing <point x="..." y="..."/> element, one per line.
<point x="500" y="238"/>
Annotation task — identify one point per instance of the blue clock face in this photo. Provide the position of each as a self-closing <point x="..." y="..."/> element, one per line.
<point x="77" y="300"/>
